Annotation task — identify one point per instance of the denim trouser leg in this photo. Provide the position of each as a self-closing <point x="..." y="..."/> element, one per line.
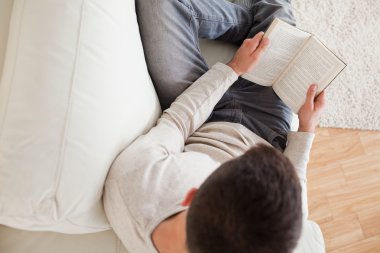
<point x="256" y="107"/>
<point x="265" y="11"/>
<point x="170" y="30"/>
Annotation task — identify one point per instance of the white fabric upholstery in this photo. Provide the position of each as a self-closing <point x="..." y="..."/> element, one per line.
<point x="75" y="91"/>
<point x="5" y="12"/>
<point x="16" y="241"/>
<point x="311" y="239"/>
<point x="19" y="241"/>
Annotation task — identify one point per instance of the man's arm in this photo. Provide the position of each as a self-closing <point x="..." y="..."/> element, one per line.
<point x="192" y="108"/>
<point x="299" y="143"/>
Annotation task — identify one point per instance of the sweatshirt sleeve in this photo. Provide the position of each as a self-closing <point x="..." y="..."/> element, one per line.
<point x="193" y="107"/>
<point x="298" y="152"/>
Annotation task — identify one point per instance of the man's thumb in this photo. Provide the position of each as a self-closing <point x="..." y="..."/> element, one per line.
<point x="311" y="94"/>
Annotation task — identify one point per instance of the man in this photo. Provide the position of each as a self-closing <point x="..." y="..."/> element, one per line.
<point x="217" y="134"/>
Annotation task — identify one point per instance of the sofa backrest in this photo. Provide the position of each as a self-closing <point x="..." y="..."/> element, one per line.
<point x="75" y="91"/>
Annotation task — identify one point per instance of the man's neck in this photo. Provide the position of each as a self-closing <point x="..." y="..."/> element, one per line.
<point x="169" y="236"/>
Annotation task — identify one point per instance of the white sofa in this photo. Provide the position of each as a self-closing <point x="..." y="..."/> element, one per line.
<point x="40" y="61"/>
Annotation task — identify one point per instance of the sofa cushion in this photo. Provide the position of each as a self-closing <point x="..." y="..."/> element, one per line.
<point x="21" y="241"/>
<point x="75" y="91"/>
<point x="311" y="240"/>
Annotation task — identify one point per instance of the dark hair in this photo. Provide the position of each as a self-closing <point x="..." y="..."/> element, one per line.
<point x="249" y="204"/>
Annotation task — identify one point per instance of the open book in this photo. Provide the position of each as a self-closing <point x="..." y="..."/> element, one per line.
<point x="293" y="61"/>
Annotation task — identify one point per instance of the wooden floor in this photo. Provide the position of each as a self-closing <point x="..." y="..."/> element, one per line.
<point x="344" y="189"/>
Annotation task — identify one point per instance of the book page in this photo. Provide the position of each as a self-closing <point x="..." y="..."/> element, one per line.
<point x="285" y="43"/>
<point x="315" y="64"/>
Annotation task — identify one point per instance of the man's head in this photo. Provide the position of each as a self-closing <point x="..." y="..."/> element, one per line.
<point x="249" y="204"/>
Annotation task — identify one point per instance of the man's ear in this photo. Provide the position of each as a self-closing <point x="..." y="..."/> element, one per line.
<point x="189" y="197"/>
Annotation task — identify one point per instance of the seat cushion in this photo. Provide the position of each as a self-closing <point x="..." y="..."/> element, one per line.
<point x="311" y="240"/>
<point x="75" y="91"/>
<point x="20" y="241"/>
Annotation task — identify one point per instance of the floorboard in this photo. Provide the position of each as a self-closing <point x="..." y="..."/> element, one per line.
<point x="344" y="189"/>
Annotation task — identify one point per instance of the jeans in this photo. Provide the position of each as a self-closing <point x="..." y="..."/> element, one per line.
<point x="170" y="32"/>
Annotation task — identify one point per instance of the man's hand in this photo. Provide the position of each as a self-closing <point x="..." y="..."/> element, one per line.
<point x="249" y="54"/>
<point x="311" y="111"/>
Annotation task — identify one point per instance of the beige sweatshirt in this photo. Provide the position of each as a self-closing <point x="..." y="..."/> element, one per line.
<point x="151" y="177"/>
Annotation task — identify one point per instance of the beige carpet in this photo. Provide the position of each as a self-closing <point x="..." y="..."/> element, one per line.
<point x="351" y="28"/>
